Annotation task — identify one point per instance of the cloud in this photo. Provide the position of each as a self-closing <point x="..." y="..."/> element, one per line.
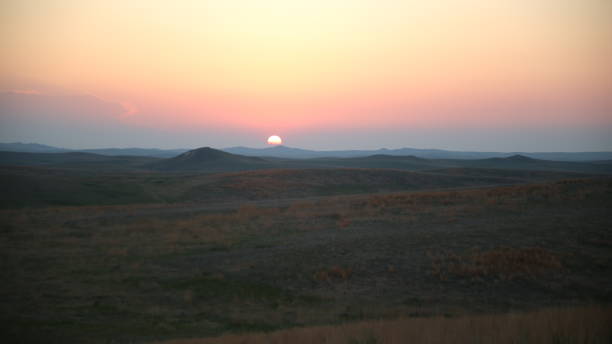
<point x="86" y="121"/>
<point x="47" y="114"/>
<point x="33" y="115"/>
<point x="129" y="109"/>
<point x="46" y="107"/>
<point x="25" y="92"/>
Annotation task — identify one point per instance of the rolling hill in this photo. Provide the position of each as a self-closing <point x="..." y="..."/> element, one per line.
<point x="521" y="162"/>
<point x="30" y="148"/>
<point x="209" y="160"/>
<point x="74" y="160"/>
<point x="298" y="153"/>
<point x="38" y="148"/>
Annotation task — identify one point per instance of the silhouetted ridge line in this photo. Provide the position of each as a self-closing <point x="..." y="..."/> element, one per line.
<point x="209" y="159"/>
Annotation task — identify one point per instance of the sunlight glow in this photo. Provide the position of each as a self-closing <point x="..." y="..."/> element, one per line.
<point x="274" y="140"/>
<point x="298" y="66"/>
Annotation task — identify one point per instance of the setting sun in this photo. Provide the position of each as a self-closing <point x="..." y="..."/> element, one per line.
<point x="274" y="140"/>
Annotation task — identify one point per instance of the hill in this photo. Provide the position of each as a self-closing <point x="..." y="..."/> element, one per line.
<point x="209" y="160"/>
<point x="409" y="162"/>
<point x="30" y="148"/>
<point x="296" y="153"/>
<point x="521" y="162"/>
<point x="150" y="152"/>
<point x="74" y="160"/>
<point x="39" y="148"/>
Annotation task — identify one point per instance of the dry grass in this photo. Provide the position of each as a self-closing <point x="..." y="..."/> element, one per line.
<point x="504" y="263"/>
<point x="334" y="273"/>
<point x="143" y="274"/>
<point x="226" y="229"/>
<point x="584" y="325"/>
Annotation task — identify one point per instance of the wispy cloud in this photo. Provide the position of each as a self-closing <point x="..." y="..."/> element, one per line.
<point x="130" y="109"/>
<point x="28" y="91"/>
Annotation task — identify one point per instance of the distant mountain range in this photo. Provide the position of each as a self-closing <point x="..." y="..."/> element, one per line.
<point x="39" y="148"/>
<point x="297" y="153"/>
<point x="209" y="160"/>
<point x="30" y="148"/>
<point x="75" y="160"/>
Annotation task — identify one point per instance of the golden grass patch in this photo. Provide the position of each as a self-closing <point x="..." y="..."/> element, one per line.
<point x="579" y="325"/>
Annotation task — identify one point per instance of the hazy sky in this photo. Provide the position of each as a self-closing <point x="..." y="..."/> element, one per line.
<point x="518" y="75"/>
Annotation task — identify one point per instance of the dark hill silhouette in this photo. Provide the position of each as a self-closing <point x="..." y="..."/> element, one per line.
<point x="74" y="160"/>
<point x="209" y="160"/>
<point x="387" y="156"/>
<point x="298" y="153"/>
<point x="521" y="162"/>
<point x="408" y="162"/>
<point x="38" y="148"/>
<point x="521" y="158"/>
<point x="30" y="148"/>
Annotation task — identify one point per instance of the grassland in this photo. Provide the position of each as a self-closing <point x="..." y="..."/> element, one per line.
<point x="165" y="271"/>
<point x="575" y="325"/>
<point x="47" y="186"/>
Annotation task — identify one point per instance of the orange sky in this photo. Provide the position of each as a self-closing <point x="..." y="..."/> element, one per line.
<point x="296" y="66"/>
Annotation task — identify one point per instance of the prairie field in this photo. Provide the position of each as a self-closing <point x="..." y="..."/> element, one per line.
<point x="567" y="325"/>
<point x="512" y="263"/>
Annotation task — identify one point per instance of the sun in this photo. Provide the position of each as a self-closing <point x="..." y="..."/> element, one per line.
<point x="274" y="140"/>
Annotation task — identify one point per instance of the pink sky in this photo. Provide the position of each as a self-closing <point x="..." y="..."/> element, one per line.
<point x="231" y="72"/>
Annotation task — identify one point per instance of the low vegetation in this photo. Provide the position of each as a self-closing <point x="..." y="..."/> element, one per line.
<point x="576" y="325"/>
<point x="145" y="272"/>
<point x="44" y="186"/>
<point x="503" y="263"/>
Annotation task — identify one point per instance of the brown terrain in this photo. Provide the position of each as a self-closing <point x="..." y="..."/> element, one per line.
<point x="295" y="252"/>
<point x="218" y="247"/>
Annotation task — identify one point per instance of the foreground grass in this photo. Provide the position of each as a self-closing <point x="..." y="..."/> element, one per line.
<point x="570" y="325"/>
<point x="137" y="273"/>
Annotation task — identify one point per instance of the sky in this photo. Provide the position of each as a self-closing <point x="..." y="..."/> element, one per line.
<point x="484" y="75"/>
